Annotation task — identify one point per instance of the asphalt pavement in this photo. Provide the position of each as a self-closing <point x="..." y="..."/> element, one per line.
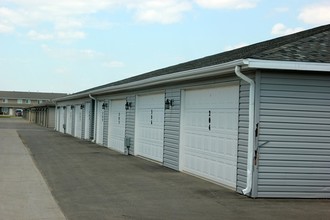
<point x="92" y="182"/>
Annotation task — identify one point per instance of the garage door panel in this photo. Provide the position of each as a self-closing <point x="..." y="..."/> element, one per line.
<point x="211" y="145"/>
<point x="209" y="129"/>
<point x="211" y="98"/>
<point x="153" y="101"/>
<point x="217" y="170"/>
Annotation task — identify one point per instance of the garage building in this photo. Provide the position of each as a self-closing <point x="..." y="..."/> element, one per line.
<point x="255" y="119"/>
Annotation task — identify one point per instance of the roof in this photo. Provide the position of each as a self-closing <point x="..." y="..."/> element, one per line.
<point x="30" y="95"/>
<point x="312" y="45"/>
<point x="42" y="105"/>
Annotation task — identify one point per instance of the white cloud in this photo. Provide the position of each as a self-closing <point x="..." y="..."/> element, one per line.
<point x="72" y="54"/>
<point x="7" y="17"/>
<point x="281" y="9"/>
<point x="160" y="11"/>
<point x="63" y="71"/>
<point x="113" y="64"/>
<point x="60" y="35"/>
<point x="65" y="19"/>
<point x="70" y="35"/>
<point x="4" y="28"/>
<point x="63" y="8"/>
<point x="233" y="47"/>
<point x="34" y="35"/>
<point x="227" y="4"/>
<point x="280" y="29"/>
<point x="89" y="54"/>
<point x="316" y="14"/>
<point x="68" y="23"/>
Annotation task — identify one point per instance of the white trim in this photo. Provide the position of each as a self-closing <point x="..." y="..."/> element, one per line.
<point x="135" y="149"/>
<point x="287" y="65"/>
<point x="181" y="139"/>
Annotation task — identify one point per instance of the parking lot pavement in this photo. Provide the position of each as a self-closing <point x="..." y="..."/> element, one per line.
<point x="92" y="182"/>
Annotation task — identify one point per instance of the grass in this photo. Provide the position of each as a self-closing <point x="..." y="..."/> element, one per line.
<point x="7" y="116"/>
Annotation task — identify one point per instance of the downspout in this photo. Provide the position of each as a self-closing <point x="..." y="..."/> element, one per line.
<point x="95" y="119"/>
<point x="249" y="168"/>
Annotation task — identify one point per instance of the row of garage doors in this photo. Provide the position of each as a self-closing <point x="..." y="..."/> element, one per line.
<point x="71" y="120"/>
<point x="149" y="135"/>
<point x="208" y="130"/>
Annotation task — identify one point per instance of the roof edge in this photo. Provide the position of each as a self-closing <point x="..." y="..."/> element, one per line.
<point x="288" y="65"/>
<point x="213" y="70"/>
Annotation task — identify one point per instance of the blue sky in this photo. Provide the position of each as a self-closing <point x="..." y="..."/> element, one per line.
<point x="72" y="45"/>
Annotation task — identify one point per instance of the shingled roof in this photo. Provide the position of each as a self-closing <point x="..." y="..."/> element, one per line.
<point x="30" y="95"/>
<point x="312" y="45"/>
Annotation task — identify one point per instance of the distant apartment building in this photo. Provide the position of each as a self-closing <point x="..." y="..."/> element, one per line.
<point x="10" y="101"/>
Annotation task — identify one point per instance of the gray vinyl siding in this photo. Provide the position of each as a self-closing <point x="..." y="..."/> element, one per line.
<point x="294" y="159"/>
<point x="106" y="124"/>
<point x="172" y="130"/>
<point x="130" y="122"/>
<point x="51" y="117"/>
<point x="242" y="143"/>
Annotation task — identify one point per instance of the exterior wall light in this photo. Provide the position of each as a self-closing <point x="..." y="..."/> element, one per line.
<point x="104" y="105"/>
<point x="72" y="106"/>
<point x="82" y="106"/>
<point x="168" y="103"/>
<point x="128" y="105"/>
<point x="64" y="107"/>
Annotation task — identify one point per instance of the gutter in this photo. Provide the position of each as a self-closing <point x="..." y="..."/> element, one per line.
<point x="249" y="169"/>
<point x="288" y="65"/>
<point x="94" y="118"/>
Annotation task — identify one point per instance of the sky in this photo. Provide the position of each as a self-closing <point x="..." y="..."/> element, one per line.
<point x="72" y="45"/>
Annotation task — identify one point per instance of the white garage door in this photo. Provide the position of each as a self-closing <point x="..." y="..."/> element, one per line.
<point x="209" y="133"/>
<point x="150" y="126"/>
<point x="78" y="121"/>
<point x="117" y="125"/>
<point x="68" y="120"/>
<point x="100" y="123"/>
<point x="61" y="120"/>
<point x="88" y="116"/>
